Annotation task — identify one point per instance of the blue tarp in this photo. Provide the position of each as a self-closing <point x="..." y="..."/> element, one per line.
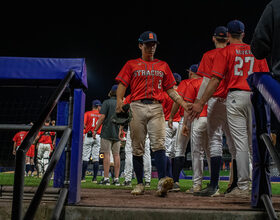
<point x="42" y="68"/>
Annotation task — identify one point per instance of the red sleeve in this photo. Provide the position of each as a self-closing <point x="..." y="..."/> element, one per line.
<point x="205" y="67"/>
<point x="181" y="88"/>
<point x="85" y="118"/>
<point x="220" y="64"/>
<point x="15" y="137"/>
<point x="168" y="79"/>
<point x="124" y="75"/>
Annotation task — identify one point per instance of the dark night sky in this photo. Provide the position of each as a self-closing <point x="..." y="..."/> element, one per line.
<point x="107" y="37"/>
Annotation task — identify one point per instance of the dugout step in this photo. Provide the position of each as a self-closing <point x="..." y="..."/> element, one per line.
<point x="51" y="194"/>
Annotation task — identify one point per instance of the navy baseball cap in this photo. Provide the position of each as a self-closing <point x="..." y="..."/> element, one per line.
<point x="193" y="68"/>
<point x="235" y="27"/>
<point x="148" y="36"/>
<point x="114" y="88"/>
<point x="177" y="77"/>
<point x="220" y="31"/>
<point x="96" y="103"/>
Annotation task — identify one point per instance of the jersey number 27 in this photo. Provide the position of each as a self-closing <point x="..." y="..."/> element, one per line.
<point x="238" y="67"/>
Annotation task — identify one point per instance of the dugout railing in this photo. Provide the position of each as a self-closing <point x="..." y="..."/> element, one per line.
<point x="69" y="79"/>
<point x="265" y="96"/>
<point x="27" y="142"/>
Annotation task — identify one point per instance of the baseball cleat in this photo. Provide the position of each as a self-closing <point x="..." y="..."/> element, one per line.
<point x="164" y="185"/>
<point x="138" y="190"/>
<point x="116" y="182"/>
<point x="127" y="183"/>
<point x="175" y="188"/>
<point x="238" y="193"/>
<point x="147" y="184"/>
<point x="209" y="191"/>
<point x="194" y="189"/>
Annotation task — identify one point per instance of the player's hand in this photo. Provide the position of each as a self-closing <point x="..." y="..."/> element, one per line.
<point x="195" y="111"/>
<point x="187" y="106"/>
<point x="185" y="130"/>
<point x="119" y="106"/>
<point x="14" y="152"/>
<point x="170" y="123"/>
<point x="94" y="134"/>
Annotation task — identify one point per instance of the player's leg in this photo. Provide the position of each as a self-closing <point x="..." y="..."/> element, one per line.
<point x="95" y="157"/>
<point x="87" y="146"/>
<point x="27" y="165"/>
<point x="32" y="165"/>
<point x="128" y="161"/>
<point x="156" y="131"/>
<point x="233" y="169"/>
<point x="40" y="158"/>
<point x="237" y="113"/>
<point x="46" y="156"/>
<point x="214" y="130"/>
<point x="147" y="163"/>
<point x="138" y="132"/>
<point x="105" y="148"/>
<point x="116" y="155"/>
<point x="181" y="144"/>
<point x="198" y="131"/>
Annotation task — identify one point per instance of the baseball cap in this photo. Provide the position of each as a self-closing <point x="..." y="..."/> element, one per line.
<point x="114" y="88"/>
<point x="96" y="103"/>
<point x="220" y="31"/>
<point x="193" y="68"/>
<point x="177" y="77"/>
<point x="148" y="36"/>
<point x="236" y="27"/>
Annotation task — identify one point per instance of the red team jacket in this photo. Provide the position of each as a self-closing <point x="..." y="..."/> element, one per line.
<point x="90" y="121"/>
<point x="147" y="80"/>
<point x="235" y="62"/>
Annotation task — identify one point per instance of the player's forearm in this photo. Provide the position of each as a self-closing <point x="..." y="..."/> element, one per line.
<point x="210" y="89"/>
<point x="175" y="96"/>
<point x="99" y="122"/>
<point x="174" y="109"/>
<point x="120" y="93"/>
<point x="186" y="121"/>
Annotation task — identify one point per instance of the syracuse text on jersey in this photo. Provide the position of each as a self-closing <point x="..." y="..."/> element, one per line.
<point x="148" y="73"/>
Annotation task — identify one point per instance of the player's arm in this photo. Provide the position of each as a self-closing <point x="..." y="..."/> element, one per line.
<point x="120" y="94"/>
<point x="177" y="98"/>
<point x="174" y="110"/>
<point x="186" y="124"/>
<point x="98" y="124"/>
<point x="14" y="148"/>
<point x="197" y="107"/>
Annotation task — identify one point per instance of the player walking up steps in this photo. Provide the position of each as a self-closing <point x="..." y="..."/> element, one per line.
<point x="235" y="62"/>
<point x="148" y="78"/>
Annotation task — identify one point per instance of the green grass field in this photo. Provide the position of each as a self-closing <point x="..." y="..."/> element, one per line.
<point x="8" y="180"/>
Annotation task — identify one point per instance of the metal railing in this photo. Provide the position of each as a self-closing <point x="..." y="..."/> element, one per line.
<point x="25" y="145"/>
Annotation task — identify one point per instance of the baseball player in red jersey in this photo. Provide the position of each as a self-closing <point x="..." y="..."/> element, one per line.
<point x="91" y="146"/>
<point x="235" y="62"/>
<point x="188" y="90"/>
<point x="148" y="78"/>
<point x="217" y="117"/>
<point x="45" y="147"/>
<point x="29" y="162"/>
<point x="170" y="138"/>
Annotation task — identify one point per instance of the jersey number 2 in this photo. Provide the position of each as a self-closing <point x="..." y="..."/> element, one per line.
<point x="239" y="65"/>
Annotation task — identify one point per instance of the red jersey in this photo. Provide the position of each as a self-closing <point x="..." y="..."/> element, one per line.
<point x="147" y="80"/>
<point x="205" y="68"/>
<point x="45" y="137"/>
<point x="236" y="62"/>
<point x="19" y="137"/>
<point x="90" y="121"/>
<point x="167" y="106"/>
<point x="189" y="90"/>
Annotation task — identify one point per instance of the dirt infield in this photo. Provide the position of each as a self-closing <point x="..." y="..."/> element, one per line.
<point x="180" y="200"/>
